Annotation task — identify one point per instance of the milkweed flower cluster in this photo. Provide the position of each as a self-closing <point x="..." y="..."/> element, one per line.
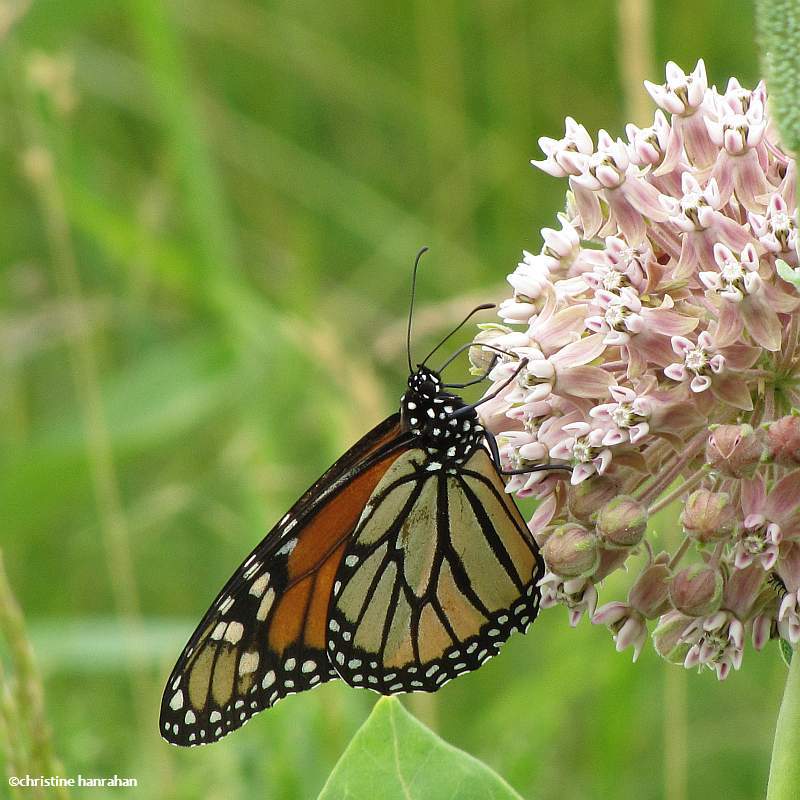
<point x="654" y="348"/>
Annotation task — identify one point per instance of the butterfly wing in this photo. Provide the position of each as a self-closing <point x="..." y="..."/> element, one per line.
<point x="264" y="636"/>
<point x="441" y="570"/>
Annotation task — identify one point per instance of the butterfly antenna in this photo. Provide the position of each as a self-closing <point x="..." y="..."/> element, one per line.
<point x="411" y="306"/>
<point x="466" y="346"/>
<point x="482" y="307"/>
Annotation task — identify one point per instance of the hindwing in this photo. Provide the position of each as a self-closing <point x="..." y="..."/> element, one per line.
<point x="440" y="571"/>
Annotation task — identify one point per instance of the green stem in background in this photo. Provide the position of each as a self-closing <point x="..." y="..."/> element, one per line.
<point x="779" y="37"/>
<point x="635" y="57"/>
<point x="676" y="734"/>
<point x="784" y="771"/>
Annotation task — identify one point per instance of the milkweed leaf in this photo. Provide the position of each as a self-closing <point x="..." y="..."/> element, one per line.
<point x="395" y="757"/>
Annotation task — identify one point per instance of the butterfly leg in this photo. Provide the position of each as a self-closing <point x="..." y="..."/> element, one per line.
<point x="474" y="381"/>
<point x="494" y="450"/>
<point x="464" y="410"/>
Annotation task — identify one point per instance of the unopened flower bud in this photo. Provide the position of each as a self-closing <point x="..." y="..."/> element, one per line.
<point x="708" y="516"/>
<point x="479" y="357"/>
<point x="667" y="637"/>
<point x="622" y="522"/>
<point x="734" y="450"/>
<point x="783" y="440"/>
<point x="696" y="590"/>
<point x="572" y="551"/>
<point x="762" y="630"/>
<point x="650" y="593"/>
<point x="584" y="499"/>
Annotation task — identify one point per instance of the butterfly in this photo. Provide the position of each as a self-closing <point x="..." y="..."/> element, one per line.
<point x="404" y="566"/>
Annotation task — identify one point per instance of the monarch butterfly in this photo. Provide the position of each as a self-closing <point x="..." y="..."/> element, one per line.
<point x="405" y="565"/>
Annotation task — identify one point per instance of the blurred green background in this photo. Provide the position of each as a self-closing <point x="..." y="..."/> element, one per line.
<point x="209" y="214"/>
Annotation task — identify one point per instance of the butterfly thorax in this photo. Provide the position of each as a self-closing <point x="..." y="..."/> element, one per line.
<point x="447" y="433"/>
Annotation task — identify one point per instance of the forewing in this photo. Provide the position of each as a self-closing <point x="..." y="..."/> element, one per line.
<point x="441" y="570"/>
<point x="264" y="636"/>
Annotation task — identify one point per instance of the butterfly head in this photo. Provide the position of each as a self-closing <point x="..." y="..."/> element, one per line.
<point x="425" y="383"/>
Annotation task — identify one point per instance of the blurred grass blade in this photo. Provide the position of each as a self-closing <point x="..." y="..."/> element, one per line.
<point x="202" y="196"/>
<point x="29" y="733"/>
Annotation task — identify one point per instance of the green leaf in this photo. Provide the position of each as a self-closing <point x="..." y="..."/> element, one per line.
<point x="394" y="755"/>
